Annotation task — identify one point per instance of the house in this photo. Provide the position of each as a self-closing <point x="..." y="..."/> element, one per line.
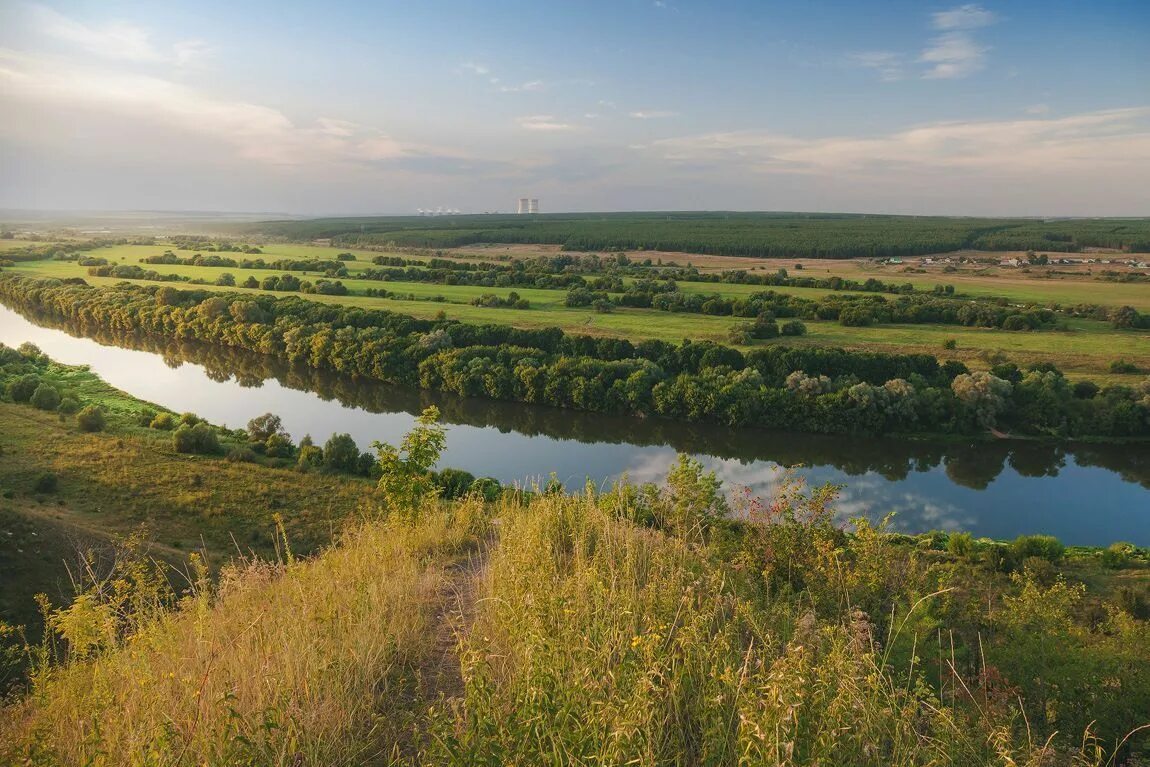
<point x="1010" y="262"/>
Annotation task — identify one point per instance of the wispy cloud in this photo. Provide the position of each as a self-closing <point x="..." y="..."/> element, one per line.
<point x="527" y="87"/>
<point x="255" y="132"/>
<point x="479" y="69"/>
<point x="544" y="123"/>
<point x="888" y="64"/>
<point x="952" y="53"/>
<point x="955" y="53"/>
<point x="969" y="16"/>
<point x="115" y="40"/>
<point x="1092" y="141"/>
<point x="652" y="114"/>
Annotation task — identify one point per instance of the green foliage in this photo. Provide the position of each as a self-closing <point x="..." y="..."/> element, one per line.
<point x="960" y="544"/>
<point x="262" y="427"/>
<point x="340" y="453"/>
<point x="453" y="483"/>
<point x="46" y="397"/>
<point x="199" y="438"/>
<point x="405" y="478"/>
<point x="1042" y="546"/>
<point x="163" y="422"/>
<point x="21" y="389"/>
<point x="1117" y="555"/>
<point x="91" y="418"/>
<point x="47" y="482"/>
<point x="68" y="405"/>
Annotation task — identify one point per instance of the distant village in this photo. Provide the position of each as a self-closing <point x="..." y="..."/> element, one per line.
<point x="1031" y="260"/>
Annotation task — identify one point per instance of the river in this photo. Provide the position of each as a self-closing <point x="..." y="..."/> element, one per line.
<point x="1083" y="494"/>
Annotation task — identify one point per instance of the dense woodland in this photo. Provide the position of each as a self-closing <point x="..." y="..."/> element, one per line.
<point x="766" y="235"/>
<point x="802" y="389"/>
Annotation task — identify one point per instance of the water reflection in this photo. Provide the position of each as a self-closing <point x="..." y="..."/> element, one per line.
<point x="1084" y="493"/>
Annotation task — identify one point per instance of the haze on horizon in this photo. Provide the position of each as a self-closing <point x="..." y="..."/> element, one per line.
<point x="994" y="108"/>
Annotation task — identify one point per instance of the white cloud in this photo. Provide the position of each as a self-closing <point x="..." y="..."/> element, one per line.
<point x="1089" y="142"/>
<point x="952" y="56"/>
<point x="888" y="64"/>
<point x="544" y="123"/>
<point x="115" y="40"/>
<point x="255" y="132"/>
<point x="531" y="86"/>
<point x="955" y="53"/>
<point x="969" y="16"/>
<point x="652" y="114"/>
<point x="479" y="69"/>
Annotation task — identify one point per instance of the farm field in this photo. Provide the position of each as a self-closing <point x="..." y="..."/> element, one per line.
<point x="1086" y="348"/>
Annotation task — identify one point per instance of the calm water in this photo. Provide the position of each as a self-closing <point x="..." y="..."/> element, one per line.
<point x="1086" y="495"/>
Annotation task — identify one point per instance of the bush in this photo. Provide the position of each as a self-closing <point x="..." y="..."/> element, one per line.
<point x="46" y="483"/>
<point x="310" y="457"/>
<point x="145" y="417"/>
<point x="241" y="455"/>
<point x="190" y="419"/>
<point x="22" y="389"/>
<point x="163" y="422"/>
<point x="68" y="405"/>
<point x="793" y="328"/>
<point x="487" y="488"/>
<point x="950" y="344"/>
<point x="1122" y="366"/>
<point x="1117" y="555"/>
<point x="91" y="418"/>
<point x="45" y="397"/>
<point x="1042" y="546"/>
<point x="200" y="438"/>
<point x="960" y="544"/>
<point x="454" y="483"/>
<point x="278" y="445"/>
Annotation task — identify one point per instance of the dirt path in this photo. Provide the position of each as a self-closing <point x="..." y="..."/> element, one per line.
<point x="440" y="674"/>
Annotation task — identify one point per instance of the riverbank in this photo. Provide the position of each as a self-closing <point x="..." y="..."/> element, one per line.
<point x="349" y="656"/>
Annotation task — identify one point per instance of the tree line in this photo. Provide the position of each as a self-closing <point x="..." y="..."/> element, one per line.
<point x="801" y="389"/>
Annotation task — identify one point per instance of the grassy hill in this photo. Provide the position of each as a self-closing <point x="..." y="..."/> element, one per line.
<point x="671" y="624"/>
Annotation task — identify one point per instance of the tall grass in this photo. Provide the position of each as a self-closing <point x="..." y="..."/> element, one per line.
<point x="599" y="641"/>
<point x="285" y="663"/>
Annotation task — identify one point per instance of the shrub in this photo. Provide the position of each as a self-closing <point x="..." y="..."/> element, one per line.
<point x="190" y="419"/>
<point x="68" y="404"/>
<point x="310" y="457"/>
<point x="163" y="422"/>
<point x="241" y="455"/>
<point x="45" y="397"/>
<point x="145" y="416"/>
<point x="91" y="418"/>
<point x="1117" y="555"/>
<point x="278" y="445"/>
<point x="488" y="488"/>
<point x="1122" y="366"/>
<point x="793" y="328"/>
<point x="1042" y="546"/>
<point x="22" y="389"/>
<point x="960" y="544"/>
<point x="46" y="483"/>
<point x="950" y="344"/>
<point x="200" y="438"/>
<point x="453" y="483"/>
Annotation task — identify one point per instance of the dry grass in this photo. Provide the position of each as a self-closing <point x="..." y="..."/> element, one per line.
<point x="286" y="664"/>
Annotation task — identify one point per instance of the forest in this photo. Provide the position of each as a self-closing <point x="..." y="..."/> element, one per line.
<point x="764" y="235"/>
<point x="823" y="390"/>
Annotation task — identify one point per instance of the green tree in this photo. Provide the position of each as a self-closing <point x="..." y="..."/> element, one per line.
<point x="340" y="453"/>
<point x="406" y="470"/>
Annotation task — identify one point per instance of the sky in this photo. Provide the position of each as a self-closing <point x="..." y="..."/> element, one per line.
<point x="1019" y="107"/>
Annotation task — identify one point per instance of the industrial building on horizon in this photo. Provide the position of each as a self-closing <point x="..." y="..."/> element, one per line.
<point x="528" y="205"/>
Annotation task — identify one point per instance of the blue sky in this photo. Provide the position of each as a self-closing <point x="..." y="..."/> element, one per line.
<point x="1036" y="108"/>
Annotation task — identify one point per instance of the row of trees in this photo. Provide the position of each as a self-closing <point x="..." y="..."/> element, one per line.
<point x="691" y="381"/>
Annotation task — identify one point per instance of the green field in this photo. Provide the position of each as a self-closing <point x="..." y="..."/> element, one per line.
<point x="1085" y="349"/>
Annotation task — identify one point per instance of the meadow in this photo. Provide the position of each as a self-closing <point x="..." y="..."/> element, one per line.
<point x="1083" y="348"/>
